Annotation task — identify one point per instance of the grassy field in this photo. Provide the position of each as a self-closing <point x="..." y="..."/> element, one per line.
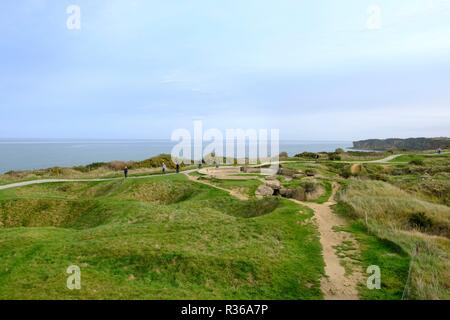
<point x="165" y="237"/>
<point x="406" y="205"/>
<point x="155" y="238"/>
<point x="411" y="224"/>
<point x="391" y="258"/>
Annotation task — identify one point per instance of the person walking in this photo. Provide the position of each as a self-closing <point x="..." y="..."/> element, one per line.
<point x="125" y="172"/>
<point x="164" y="168"/>
<point x="178" y="167"/>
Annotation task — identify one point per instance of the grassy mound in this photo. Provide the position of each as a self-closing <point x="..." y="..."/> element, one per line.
<point x="154" y="238"/>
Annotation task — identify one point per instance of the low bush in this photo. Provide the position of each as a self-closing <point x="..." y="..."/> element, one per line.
<point x="334" y="157"/>
<point x="310" y="172"/>
<point x="297" y="193"/>
<point x="155" y="162"/>
<point x="420" y="221"/>
<point x="417" y="162"/>
<point x="309" y="155"/>
<point x="118" y="165"/>
<point x="90" y="167"/>
<point x="309" y="186"/>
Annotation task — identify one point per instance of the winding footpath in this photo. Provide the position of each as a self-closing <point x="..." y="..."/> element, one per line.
<point x="31" y="182"/>
<point x="42" y="181"/>
<point x="337" y="284"/>
<point x="387" y="159"/>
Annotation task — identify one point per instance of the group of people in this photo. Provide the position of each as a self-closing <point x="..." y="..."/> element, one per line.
<point x="163" y="168"/>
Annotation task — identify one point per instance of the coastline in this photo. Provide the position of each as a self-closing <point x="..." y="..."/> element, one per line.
<point x="35" y="154"/>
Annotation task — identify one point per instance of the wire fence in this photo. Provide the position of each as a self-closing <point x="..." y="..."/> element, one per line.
<point x="406" y="290"/>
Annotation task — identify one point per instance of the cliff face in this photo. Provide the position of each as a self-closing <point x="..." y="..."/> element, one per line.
<point x="406" y="144"/>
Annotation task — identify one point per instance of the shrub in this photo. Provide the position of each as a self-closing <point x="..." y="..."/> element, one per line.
<point x="310" y="172"/>
<point x="91" y="166"/>
<point x="345" y="172"/>
<point x="435" y="188"/>
<point x="155" y="162"/>
<point x="379" y="177"/>
<point x="309" y="186"/>
<point x="284" y="154"/>
<point x="310" y="155"/>
<point x="117" y="165"/>
<point x="399" y="171"/>
<point x="56" y="171"/>
<point x="334" y="157"/>
<point x="417" y="162"/>
<point x="297" y="193"/>
<point x="287" y="172"/>
<point x="339" y="151"/>
<point x="16" y="174"/>
<point x="420" y="220"/>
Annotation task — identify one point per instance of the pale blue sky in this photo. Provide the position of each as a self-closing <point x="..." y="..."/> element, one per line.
<point x="141" y="69"/>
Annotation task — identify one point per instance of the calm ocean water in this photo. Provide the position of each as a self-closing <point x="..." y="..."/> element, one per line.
<point x="36" y="154"/>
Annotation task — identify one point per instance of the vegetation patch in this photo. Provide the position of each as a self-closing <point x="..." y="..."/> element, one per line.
<point x="390" y="257"/>
<point x="394" y="215"/>
<point x="203" y="244"/>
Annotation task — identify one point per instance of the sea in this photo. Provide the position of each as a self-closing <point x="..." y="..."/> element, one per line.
<point x="28" y="154"/>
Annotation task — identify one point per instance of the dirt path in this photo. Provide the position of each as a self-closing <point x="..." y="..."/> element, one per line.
<point x="42" y="181"/>
<point x="233" y="193"/>
<point x="384" y="160"/>
<point x="336" y="285"/>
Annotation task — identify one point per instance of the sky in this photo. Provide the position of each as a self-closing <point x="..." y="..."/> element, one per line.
<point x="315" y="70"/>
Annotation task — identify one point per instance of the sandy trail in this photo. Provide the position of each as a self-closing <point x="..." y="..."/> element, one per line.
<point x="384" y="160"/>
<point x="234" y="193"/>
<point x="43" y="181"/>
<point x="336" y="285"/>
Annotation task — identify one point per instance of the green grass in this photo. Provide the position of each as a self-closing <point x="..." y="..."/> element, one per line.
<point x="389" y="210"/>
<point x="295" y="183"/>
<point x="170" y="238"/>
<point x="319" y="168"/>
<point x="410" y="157"/>
<point x="392" y="260"/>
<point x="328" y="187"/>
<point x="407" y="158"/>
<point x="154" y="238"/>
<point x="246" y="187"/>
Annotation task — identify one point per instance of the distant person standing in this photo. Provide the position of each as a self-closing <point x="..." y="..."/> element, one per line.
<point x="164" y="168"/>
<point x="125" y="172"/>
<point x="178" y="167"/>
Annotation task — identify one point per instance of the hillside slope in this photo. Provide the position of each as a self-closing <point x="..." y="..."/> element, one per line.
<point x="403" y="144"/>
<point x="154" y="238"/>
